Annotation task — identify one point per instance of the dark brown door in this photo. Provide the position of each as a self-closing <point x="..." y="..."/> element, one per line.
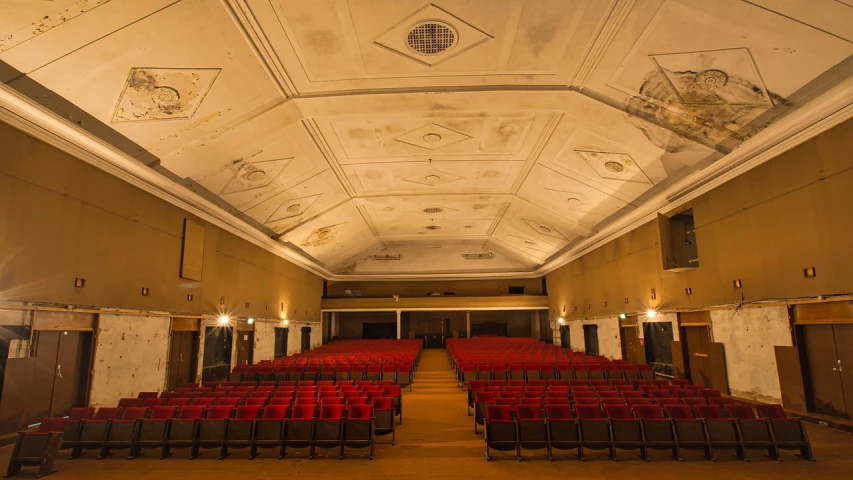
<point x="632" y="351"/>
<point x="823" y="366"/>
<point x="41" y="393"/>
<point x="72" y="372"/>
<point x="182" y="359"/>
<point x="698" y="341"/>
<point x="844" y="350"/>
<point x="245" y="347"/>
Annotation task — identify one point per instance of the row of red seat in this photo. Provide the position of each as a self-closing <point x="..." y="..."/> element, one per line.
<point x="646" y="427"/>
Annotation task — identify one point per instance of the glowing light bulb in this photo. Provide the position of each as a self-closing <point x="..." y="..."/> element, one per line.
<point x="651" y="313"/>
<point x="561" y="320"/>
<point x="223" y="319"/>
<point x="285" y="322"/>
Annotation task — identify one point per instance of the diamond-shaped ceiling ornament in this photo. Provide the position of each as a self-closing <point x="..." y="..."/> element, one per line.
<point x="529" y="243"/>
<point x="432" y="137"/>
<point x="614" y="166"/>
<point x="435" y="210"/>
<point x="254" y="175"/>
<point x="545" y="229"/>
<point x="163" y="93"/>
<point x="714" y="77"/>
<point x="574" y="201"/>
<point x="432" y="177"/>
<point x="292" y="208"/>
<point x="431" y="36"/>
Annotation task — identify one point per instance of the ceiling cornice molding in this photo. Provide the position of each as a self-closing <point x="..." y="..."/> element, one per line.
<point x="34" y="120"/>
<point x="827" y="111"/>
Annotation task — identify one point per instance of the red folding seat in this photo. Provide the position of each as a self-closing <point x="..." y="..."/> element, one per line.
<point x="306" y="383"/>
<point x="596" y="371"/>
<point x="755" y="432"/>
<point x="689" y="431"/>
<point x="239" y="429"/>
<point x="531" y="401"/>
<point x="607" y="394"/>
<point x="152" y="431"/>
<point x="580" y="371"/>
<point x="311" y="372"/>
<point x="389" y="373"/>
<point x="203" y="401"/>
<point x="286" y="384"/>
<point x="38" y="448"/>
<point x="153" y="402"/>
<point x="374" y="372"/>
<point x="582" y="393"/>
<point x="680" y="381"/>
<point x="693" y="402"/>
<point x="655" y="394"/>
<point x="268" y="430"/>
<point x="178" y="402"/>
<point x="365" y="383"/>
<point x="722" y="401"/>
<point x="405" y="375"/>
<point x="612" y="401"/>
<point x="513" y="389"/>
<point x="578" y="383"/>
<point x="631" y="394"/>
<point x="210" y="430"/>
<point x="547" y="371"/>
<point x="645" y="372"/>
<point x="182" y="430"/>
<point x="286" y="392"/>
<point x="516" y="383"/>
<point x="281" y="374"/>
<point x="515" y="371"/>
<point x="564" y="370"/>
<point x="383" y="383"/>
<point x="556" y="401"/>
<point x="256" y="401"/>
<point x="598" y="382"/>
<point x="660" y="383"/>
<point x="658" y="431"/>
<point x="531" y="372"/>
<point x="722" y="431"/>
<point x="305" y="393"/>
<point x="500" y="429"/>
<point x="532" y="429"/>
<point x="481" y="401"/>
<point x="228" y="401"/>
<point x="629" y="370"/>
<point x="788" y="433"/>
<point x="320" y="384"/>
<point x="395" y="392"/>
<point x="613" y="371"/>
<point x="71" y="430"/>
<point x="146" y="395"/>
<point x="474" y="386"/>
<point x="280" y="401"/>
<point x="331" y="401"/>
<point x="709" y="393"/>
<point x="299" y="428"/>
<point x="328" y="428"/>
<point x="229" y="384"/>
<point x="562" y="430"/>
<point x="636" y="383"/>
<point x="383" y="414"/>
<point x="634" y="402"/>
<point x="594" y="428"/>
<point x="357" y="372"/>
<point x="358" y="429"/>
<point x="92" y="430"/>
<point x="616" y="382"/>
<point x="355" y="401"/>
<point x="295" y="373"/>
<point x="128" y="402"/>
<point x="121" y="433"/>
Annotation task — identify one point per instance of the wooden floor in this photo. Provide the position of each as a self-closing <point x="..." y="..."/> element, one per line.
<point x="437" y="439"/>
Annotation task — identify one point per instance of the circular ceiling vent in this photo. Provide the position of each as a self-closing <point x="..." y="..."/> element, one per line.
<point x="433" y="210"/>
<point x="544" y="229"/>
<point x="433" y="227"/>
<point x="432" y="138"/>
<point x="293" y="208"/>
<point x="615" y="167"/>
<point x="431" y="38"/>
<point x="165" y="97"/>
<point x="255" y="175"/>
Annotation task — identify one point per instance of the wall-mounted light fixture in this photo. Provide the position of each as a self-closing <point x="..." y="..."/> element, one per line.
<point x="650" y="313"/>
<point x="654" y="295"/>
<point x="809" y="272"/>
<point x="737" y="283"/>
<point x="247" y="304"/>
<point x="250" y="320"/>
<point x="222" y="300"/>
<point x="688" y="291"/>
<point x="285" y="322"/>
<point x="605" y="303"/>
<point x="79" y="282"/>
<point x="626" y="299"/>
<point x="561" y="320"/>
<point x="189" y="297"/>
<point x="622" y="316"/>
<point x="223" y="319"/>
<point x="145" y="291"/>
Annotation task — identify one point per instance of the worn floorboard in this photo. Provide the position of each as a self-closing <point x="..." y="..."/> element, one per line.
<point x="437" y="440"/>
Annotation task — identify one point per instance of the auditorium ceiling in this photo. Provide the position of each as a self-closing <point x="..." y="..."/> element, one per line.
<point x="405" y="138"/>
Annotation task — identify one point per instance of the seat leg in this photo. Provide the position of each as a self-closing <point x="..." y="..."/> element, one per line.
<point x="13" y="469"/>
<point x="194" y="451"/>
<point x="105" y="452"/>
<point x="282" y="452"/>
<point x="76" y="451"/>
<point x="164" y="452"/>
<point x="580" y="453"/>
<point x="223" y="452"/>
<point x="253" y="452"/>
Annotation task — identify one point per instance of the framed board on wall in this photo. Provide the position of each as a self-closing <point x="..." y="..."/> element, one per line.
<point x="192" y="250"/>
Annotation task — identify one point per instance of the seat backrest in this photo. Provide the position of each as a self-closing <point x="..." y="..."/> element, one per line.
<point x="393" y="391"/>
<point x="587" y="412"/>
<point x="162" y="412"/>
<point x="331" y="412"/>
<point x="302" y="412"/>
<point x="178" y="402"/>
<point x="247" y="412"/>
<point x="220" y="412"/>
<point x="619" y="412"/>
<point x="476" y="384"/>
<point x="134" y="413"/>
<point x="360" y="412"/>
<point x="484" y="397"/>
<point x="275" y="412"/>
<point x="259" y="401"/>
<point x="772" y="411"/>
<point x="498" y="413"/>
<point x="666" y="401"/>
<point x="147" y="395"/>
<point x="228" y="401"/>
<point x="648" y="412"/>
<point x="191" y="413"/>
<point x="529" y="412"/>
<point x="286" y="401"/>
<point x="128" y="402"/>
<point x="355" y="401"/>
<point x="107" y="413"/>
<point x="679" y="412"/>
<point x="709" y="412"/>
<point x="383" y="403"/>
<point x="711" y="393"/>
<point x="559" y="412"/>
<point x="741" y="412"/>
<point x="153" y="402"/>
<point x="331" y="401"/>
<point x="81" y="413"/>
<point x="720" y="401"/>
<point x="694" y="401"/>
<point x="204" y="401"/>
<point x="52" y="424"/>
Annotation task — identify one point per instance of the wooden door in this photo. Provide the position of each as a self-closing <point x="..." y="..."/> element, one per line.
<point x="632" y="351"/>
<point x="46" y="351"/>
<point x="826" y="382"/>
<point x="183" y="358"/>
<point x="216" y="364"/>
<point x="73" y="361"/>
<point x="844" y="349"/>
<point x="306" y="338"/>
<point x="697" y="340"/>
<point x="245" y="347"/>
<point x="565" y="339"/>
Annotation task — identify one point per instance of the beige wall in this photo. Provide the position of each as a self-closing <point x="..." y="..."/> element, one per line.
<point x="64" y="219"/>
<point x="763" y="228"/>
<point x="467" y="288"/>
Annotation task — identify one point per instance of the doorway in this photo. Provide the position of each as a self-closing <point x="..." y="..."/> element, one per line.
<point x="245" y="347"/>
<point x="590" y="339"/>
<point x="183" y="358"/>
<point x="280" y="342"/>
<point x="565" y="340"/>
<point x="658" y="337"/>
<point x="632" y="349"/>
<point x="376" y="330"/>
<point x="704" y="361"/>
<point x="306" y="338"/>
<point x="830" y="366"/>
<point x="49" y="382"/>
<point x="216" y="364"/>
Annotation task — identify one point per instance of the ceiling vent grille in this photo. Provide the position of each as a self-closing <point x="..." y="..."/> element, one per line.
<point x="478" y="256"/>
<point x="431" y="38"/>
<point x="433" y="210"/>
<point x="386" y="257"/>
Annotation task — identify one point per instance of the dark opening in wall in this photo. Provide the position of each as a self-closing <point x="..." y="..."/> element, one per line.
<point x="515" y="290"/>
<point x="590" y="339"/>
<point x="678" y="241"/>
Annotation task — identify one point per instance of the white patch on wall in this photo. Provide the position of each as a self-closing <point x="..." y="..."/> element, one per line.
<point x="264" y="341"/>
<point x="608" y="336"/>
<point x="576" y="336"/>
<point x="749" y="335"/>
<point x="130" y="357"/>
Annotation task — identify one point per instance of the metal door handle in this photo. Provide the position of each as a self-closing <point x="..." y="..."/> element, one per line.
<point x="703" y="355"/>
<point x="180" y="357"/>
<point x="59" y="370"/>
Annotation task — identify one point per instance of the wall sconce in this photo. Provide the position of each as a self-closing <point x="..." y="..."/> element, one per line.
<point x="247" y="304"/>
<point x="561" y="320"/>
<point x="809" y="272"/>
<point x="223" y="320"/>
<point x="222" y="300"/>
<point x="688" y="291"/>
<point x="626" y="299"/>
<point x="285" y="322"/>
<point x="738" y="283"/>
<point x="79" y="282"/>
<point x="250" y="320"/>
<point x="605" y="303"/>
<point x="145" y="291"/>
<point x="650" y="313"/>
<point x="189" y="297"/>
<point x="654" y="295"/>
